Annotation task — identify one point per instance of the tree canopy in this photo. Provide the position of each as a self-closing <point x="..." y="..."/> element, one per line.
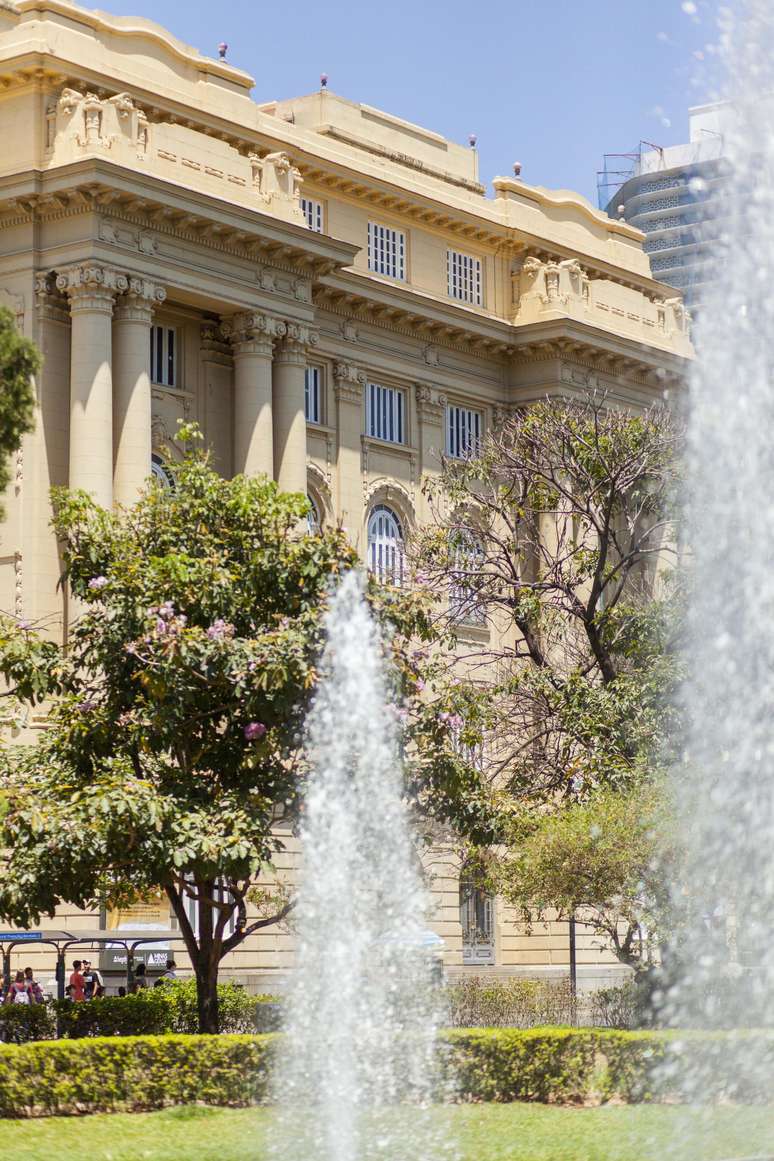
<point x="173" y="748"/>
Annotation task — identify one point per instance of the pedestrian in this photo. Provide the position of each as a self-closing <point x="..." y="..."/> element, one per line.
<point x="171" y="971"/>
<point x="140" y="979"/>
<point x="93" y="981"/>
<point x="99" y="991"/>
<point x="19" y="991"/>
<point x="77" y="983"/>
<point x="36" y="992"/>
<point x="121" y="991"/>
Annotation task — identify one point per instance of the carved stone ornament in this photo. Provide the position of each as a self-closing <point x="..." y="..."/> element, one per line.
<point x="277" y="182"/>
<point x="348" y="382"/>
<point x="96" y="124"/>
<point x="431" y="404"/>
<point x="249" y="324"/>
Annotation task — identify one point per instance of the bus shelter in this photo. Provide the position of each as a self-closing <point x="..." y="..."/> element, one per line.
<point x="124" y="940"/>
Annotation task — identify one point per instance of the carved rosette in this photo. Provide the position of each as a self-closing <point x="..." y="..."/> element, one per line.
<point x="431" y="405"/>
<point x="90" y="287"/>
<point x="348" y="382"/>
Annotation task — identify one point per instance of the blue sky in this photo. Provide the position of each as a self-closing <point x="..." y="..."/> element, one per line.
<point x="551" y="83"/>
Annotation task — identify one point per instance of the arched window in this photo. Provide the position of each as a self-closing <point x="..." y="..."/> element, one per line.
<point x="313" y="522"/>
<point x="385" y="545"/>
<point x="159" y="471"/>
<point x="476" y="919"/>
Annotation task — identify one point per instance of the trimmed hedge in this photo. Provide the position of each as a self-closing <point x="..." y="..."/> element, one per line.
<point x="131" y="1073"/>
<point x="551" y="1065"/>
<point x="155" y="1011"/>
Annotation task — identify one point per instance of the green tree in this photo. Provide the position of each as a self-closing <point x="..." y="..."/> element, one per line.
<point x="551" y="557"/>
<point x="173" y="745"/>
<point x="610" y="859"/>
<point x="19" y="363"/>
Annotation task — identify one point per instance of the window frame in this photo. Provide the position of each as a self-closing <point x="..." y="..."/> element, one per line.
<point x="314" y="212"/>
<point x="469" y="282"/>
<point x="454" y="431"/>
<point x="315" y="370"/>
<point x="386" y="251"/>
<point x="164" y="360"/>
<point x="380" y="546"/>
<point x="386" y="418"/>
<point x="462" y="597"/>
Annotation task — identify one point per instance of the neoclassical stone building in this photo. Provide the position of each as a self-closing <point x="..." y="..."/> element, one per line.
<point x="326" y="289"/>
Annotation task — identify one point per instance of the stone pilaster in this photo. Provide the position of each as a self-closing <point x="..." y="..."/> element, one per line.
<point x="431" y="417"/>
<point x="91" y="290"/>
<point x="288" y="407"/>
<point x="348" y="386"/>
<point x="132" y="388"/>
<point x="253" y="336"/>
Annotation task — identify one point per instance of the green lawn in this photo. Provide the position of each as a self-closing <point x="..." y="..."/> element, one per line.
<point x="484" y="1132"/>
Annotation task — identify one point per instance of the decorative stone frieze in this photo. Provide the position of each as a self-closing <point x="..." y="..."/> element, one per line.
<point x="431" y="405"/>
<point x="348" y="382"/>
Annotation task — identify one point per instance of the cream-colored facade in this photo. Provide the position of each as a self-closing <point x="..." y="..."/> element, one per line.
<point x="325" y="288"/>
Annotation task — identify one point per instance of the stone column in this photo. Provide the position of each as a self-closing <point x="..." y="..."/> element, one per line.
<point x="253" y="336"/>
<point x="348" y="386"/>
<point x="217" y="375"/>
<point x="288" y="407"/>
<point x="91" y="290"/>
<point x="132" y="441"/>
<point x="431" y="414"/>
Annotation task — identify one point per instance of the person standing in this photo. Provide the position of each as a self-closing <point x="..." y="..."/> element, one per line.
<point x="93" y="981"/>
<point x="77" y="983"/>
<point x="19" y="991"/>
<point x="140" y="979"/>
<point x="36" y="992"/>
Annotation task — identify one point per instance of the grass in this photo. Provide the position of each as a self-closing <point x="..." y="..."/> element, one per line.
<point x="485" y="1133"/>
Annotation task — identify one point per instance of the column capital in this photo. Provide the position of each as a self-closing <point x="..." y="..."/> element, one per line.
<point x="50" y="302"/>
<point x="91" y="287"/>
<point x="139" y="300"/>
<point x="214" y="345"/>
<point x="348" y="382"/>
<point x="252" y="332"/>
<point x="298" y="339"/>
<point x="431" y="404"/>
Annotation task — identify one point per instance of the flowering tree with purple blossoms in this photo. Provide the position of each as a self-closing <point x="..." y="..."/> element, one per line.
<point x="174" y="741"/>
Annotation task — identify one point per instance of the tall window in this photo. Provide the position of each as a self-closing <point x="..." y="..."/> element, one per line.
<point x="163" y="356"/>
<point x="313" y="395"/>
<point x="463" y="432"/>
<point x="463" y="273"/>
<point x="313" y="522"/>
<point x="477" y="921"/>
<point x="385" y="407"/>
<point x="386" y="251"/>
<point x="467" y="557"/>
<point x="385" y="545"/>
<point x="313" y="212"/>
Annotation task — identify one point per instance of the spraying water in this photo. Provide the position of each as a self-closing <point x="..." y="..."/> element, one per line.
<point x="721" y="970"/>
<point x="356" y="1076"/>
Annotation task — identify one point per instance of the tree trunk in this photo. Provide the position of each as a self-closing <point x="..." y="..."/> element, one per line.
<point x="206" y="968"/>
